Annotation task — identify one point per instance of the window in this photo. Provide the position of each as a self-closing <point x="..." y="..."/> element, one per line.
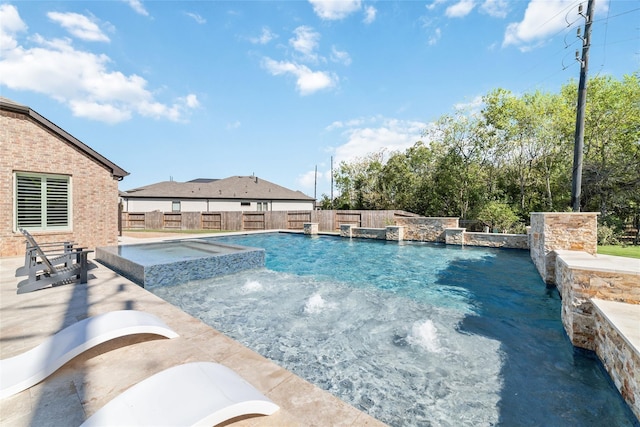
<point x="42" y="202"/>
<point x="263" y="206"/>
<point x="175" y="206"/>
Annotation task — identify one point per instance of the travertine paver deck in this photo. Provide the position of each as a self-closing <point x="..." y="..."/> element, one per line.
<point x="90" y="380"/>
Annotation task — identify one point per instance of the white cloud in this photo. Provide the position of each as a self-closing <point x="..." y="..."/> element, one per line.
<point x="81" y="80"/>
<point x="334" y="9"/>
<point x="375" y="134"/>
<point x="307" y="80"/>
<point x="460" y="9"/>
<point x="542" y="19"/>
<point x="350" y="123"/>
<point x="435" y="37"/>
<point x="199" y="19"/>
<point x="369" y="14"/>
<point x="12" y="25"/>
<point x="137" y="6"/>
<point x="305" y="42"/>
<point x="308" y="179"/>
<point x="473" y="106"/>
<point x="79" y="26"/>
<point x="234" y="125"/>
<point x="190" y="101"/>
<point x="495" y="8"/>
<point x="107" y="113"/>
<point x="361" y="137"/>
<point x="435" y="4"/>
<point x="265" y="37"/>
<point x="340" y="56"/>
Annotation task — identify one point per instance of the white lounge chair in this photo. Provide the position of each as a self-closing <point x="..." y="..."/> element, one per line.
<point x="193" y="394"/>
<point x="20" y="372"/>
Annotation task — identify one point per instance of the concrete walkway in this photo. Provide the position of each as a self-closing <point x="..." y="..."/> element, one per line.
<point x="89" y="381"/>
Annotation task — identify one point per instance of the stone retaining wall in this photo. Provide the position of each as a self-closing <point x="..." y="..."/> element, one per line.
<point x="424" y="229"/>
<point x="577" y="285"/>
<point x="366" y="233"/>
<point x="496" y="240"/>
<point x="619" y="359"/>
<point x="430" y="231"/>
<point x="551" y="231"/>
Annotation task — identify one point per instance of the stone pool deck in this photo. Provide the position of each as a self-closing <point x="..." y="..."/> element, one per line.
<point x="93" y="378"/>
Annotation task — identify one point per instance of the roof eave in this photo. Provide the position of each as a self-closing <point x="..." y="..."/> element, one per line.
<point x="116" y="171"/>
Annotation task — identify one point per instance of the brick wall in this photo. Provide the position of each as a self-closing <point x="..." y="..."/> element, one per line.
<point x="26" y="146"/>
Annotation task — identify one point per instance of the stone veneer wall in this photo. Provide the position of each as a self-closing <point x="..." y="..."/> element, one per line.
<point x="496" y="240"/>
<point x="424" y="229"/>
<point x="367" y="233"/>
<point x="578" y="285"/>
<point x="550" y="231"/>
<point x="395" y="233"/>
<point x="619" y="359"/>
<point x="310" y="228"/>
<point x="26" y="146"/>
<point x="391" y="232"/>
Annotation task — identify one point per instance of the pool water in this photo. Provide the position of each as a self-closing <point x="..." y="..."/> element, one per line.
<point x="414" y="334"/>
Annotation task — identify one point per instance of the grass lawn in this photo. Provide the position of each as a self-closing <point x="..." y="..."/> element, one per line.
<point x="625" y="251"/>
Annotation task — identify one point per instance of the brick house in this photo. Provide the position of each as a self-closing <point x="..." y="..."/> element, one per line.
<point x="232" y="194"/>
<point x="52" y="184"/>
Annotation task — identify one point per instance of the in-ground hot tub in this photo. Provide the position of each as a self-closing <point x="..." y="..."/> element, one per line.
<point x="179" y="261"/>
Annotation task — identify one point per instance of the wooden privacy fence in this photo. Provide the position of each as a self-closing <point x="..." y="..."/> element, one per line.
<point x="328" y="220"/>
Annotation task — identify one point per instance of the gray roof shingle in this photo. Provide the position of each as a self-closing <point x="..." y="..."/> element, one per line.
<point x="234" y="187"/>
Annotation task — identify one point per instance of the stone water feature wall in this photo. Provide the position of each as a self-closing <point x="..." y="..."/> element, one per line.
<point x="551" y="231"/>
<point x="424" y="229"/>
<point x="488" y="240"/>
<point x="431" y="230"/>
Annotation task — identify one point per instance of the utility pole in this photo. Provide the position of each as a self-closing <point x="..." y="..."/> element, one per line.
<point x="578" y="146"/>
<point x="331" y="182"/>
<point x="315" y="185"/>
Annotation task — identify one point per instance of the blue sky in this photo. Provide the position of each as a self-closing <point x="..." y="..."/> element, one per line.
<point x="195" y="89"/>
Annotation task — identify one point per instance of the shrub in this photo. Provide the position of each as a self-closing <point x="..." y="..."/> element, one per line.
<point x="607" y="235"/>
<point x="498" y="215"/>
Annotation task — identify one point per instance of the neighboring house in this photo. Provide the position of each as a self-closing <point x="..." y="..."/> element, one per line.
<point x="236" y="193"/>
<point x="52" y="184"/>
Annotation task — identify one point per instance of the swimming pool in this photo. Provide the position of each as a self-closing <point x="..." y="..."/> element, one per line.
<point x="411" y="333"/>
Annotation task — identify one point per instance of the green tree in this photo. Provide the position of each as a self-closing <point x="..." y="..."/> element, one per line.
<point x="498" y="215"/>
<point x="611" y="165"/>
<point x="532" y="142"/>
<point x="407" y="179"/>
<point x="459" y="143"/>
<point x="358" y="183"/>
<point x="518" y="149"/>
